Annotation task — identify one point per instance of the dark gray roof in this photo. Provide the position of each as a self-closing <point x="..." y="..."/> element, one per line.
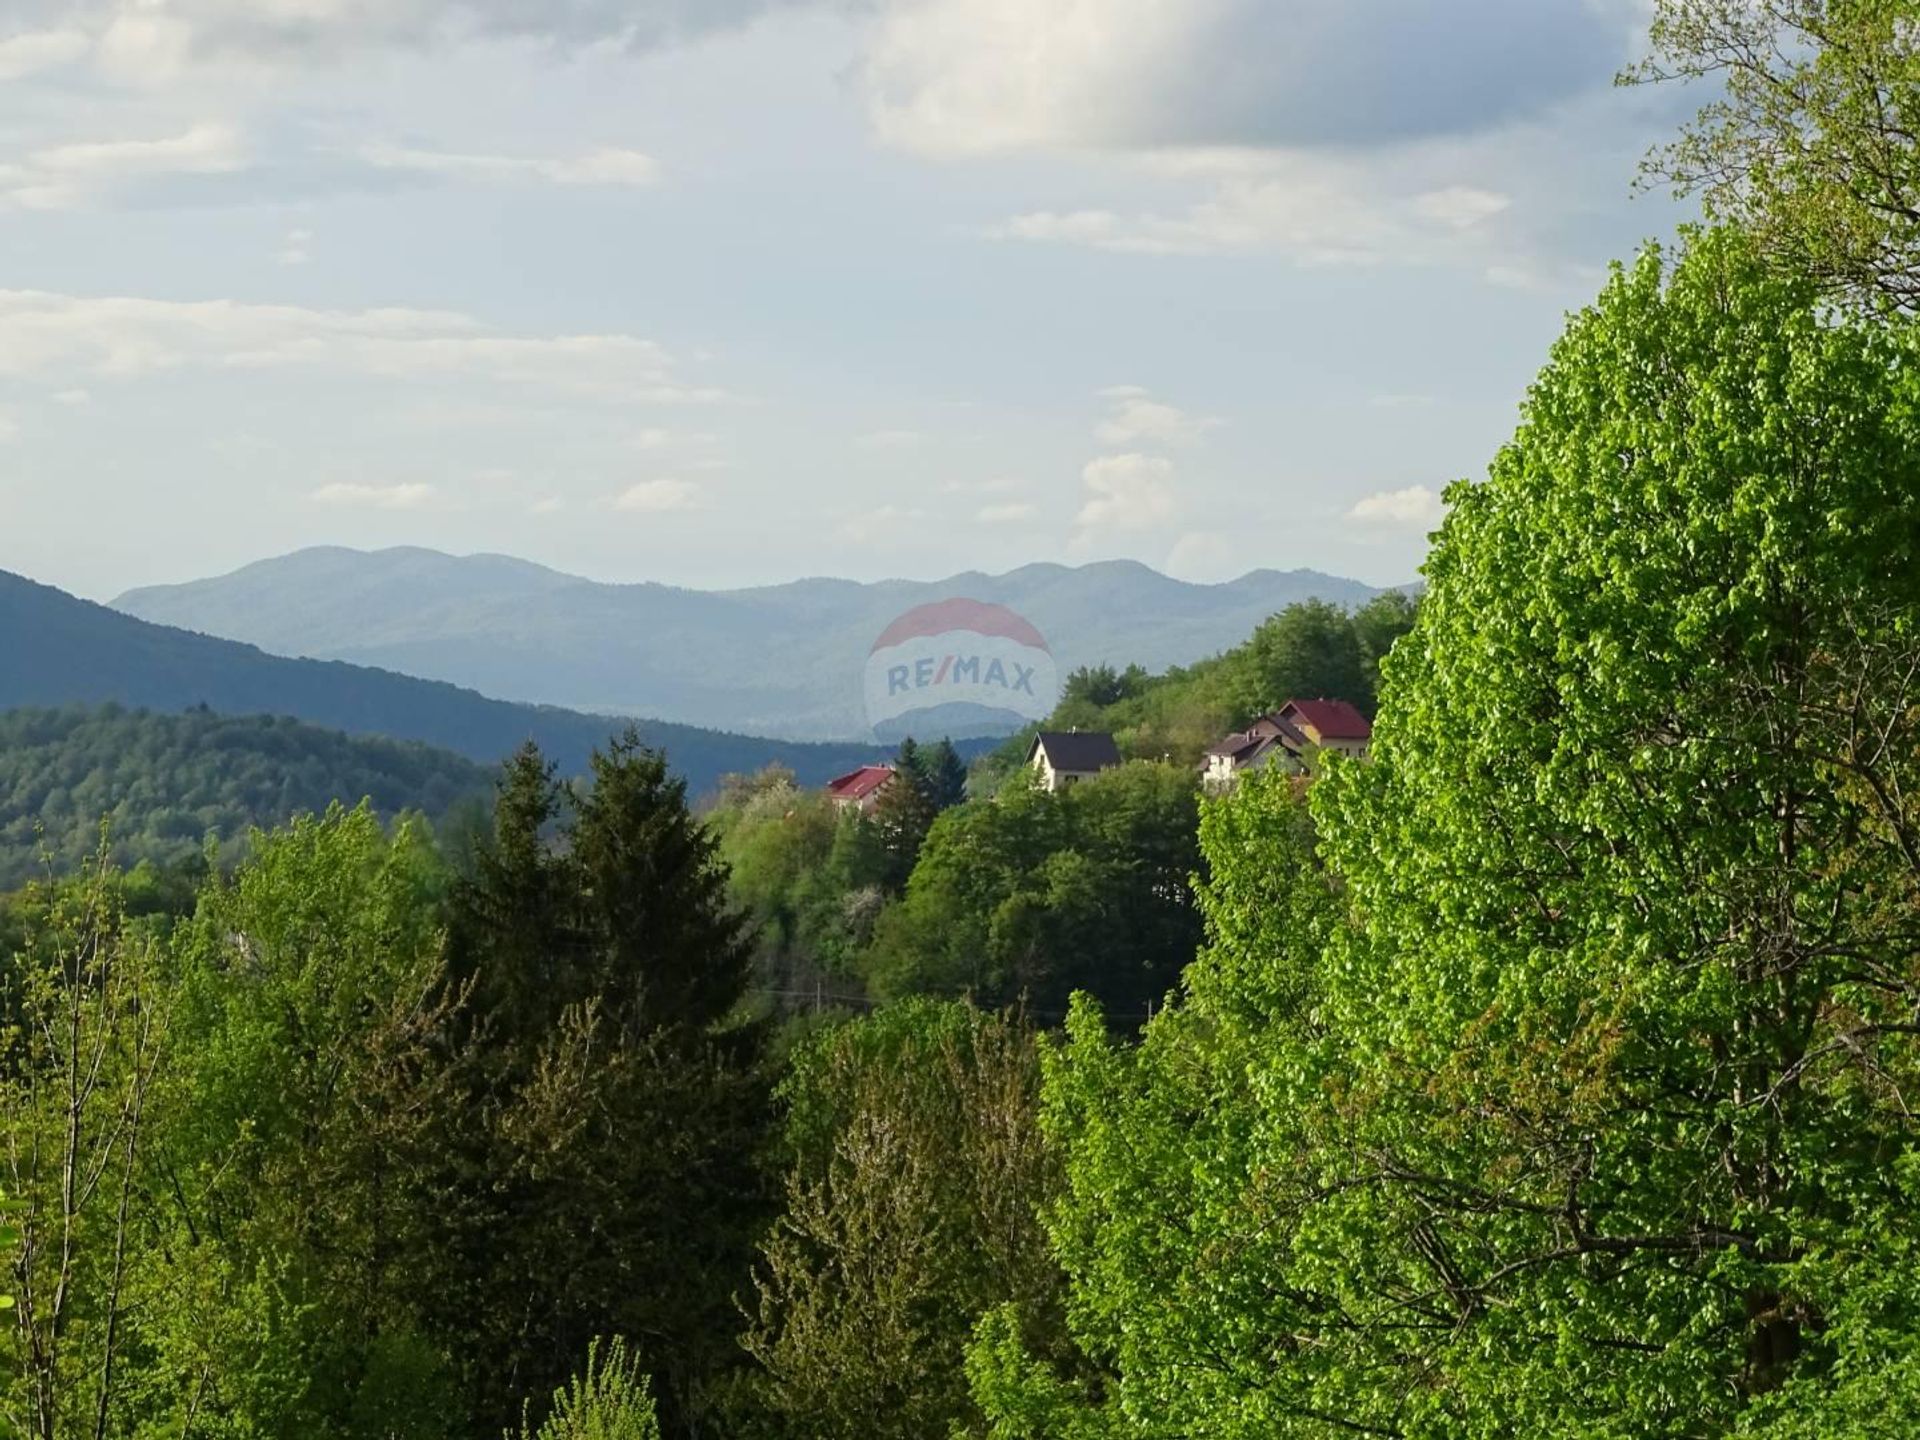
<point x="1076" y="749"/>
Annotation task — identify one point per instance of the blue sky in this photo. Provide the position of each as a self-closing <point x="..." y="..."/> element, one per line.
<point x="721" y="292"/>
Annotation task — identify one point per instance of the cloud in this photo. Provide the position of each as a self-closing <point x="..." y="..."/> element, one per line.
<point x="606" y="167"/>
<point x="65" y="338"/>
<point x="297" y="248"/>
<point x="976" y="76"/>
<point x="1127" y="492"/>
<point x="61" y="177"/>
<point x="9" y="430"/>
<point x="1134" y="417"/>
<point x="38" y="50"/>
<point x="1202" y="556"/>
<point x="657" y="497"/>
<point x="74" y="396"/>
<point x="1417" y="505"/>
<point x="1314" y="211"/>
<point x="143" y="39"/>
<point x="1011" y="513"/>
<point x="883" y="440"/>
<point x="377" y="497"/>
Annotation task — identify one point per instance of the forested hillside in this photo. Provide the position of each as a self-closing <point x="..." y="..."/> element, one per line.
<point x="64" y="651"/>
<point x="1310" y="650"/>
<point x="163" y="784"/>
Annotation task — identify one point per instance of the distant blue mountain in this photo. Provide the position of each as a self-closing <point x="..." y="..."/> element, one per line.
<point x="62" y="651"/>
<point x="777" y="660"/>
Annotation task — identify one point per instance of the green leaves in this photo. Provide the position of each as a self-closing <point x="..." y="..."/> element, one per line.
<point x="1547" y="1074"/>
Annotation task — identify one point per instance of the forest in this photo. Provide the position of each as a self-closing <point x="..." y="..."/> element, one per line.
<point x="161" y="785"/>
<point x="1543" y="1073"/>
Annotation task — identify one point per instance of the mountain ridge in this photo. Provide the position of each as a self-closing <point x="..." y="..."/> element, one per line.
<point x="781" y="659"/>
<point x="65" y="651"/>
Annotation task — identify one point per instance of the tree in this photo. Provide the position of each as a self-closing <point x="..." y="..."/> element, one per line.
<point x="946" y="775"/>
<point x="1377" y="625"/>
<point x="1556" y="1079"/>
<point x="1308" y="651"/>
<point x="1810" y="146"/>
<point x="282" y="1234"/>
<point x="592" y="1171"/>
<point x="912" y="1209"/>
<point x="77" y="1075"/>
<point x="1032" y="895"/>
<point x="610" y="1400"/>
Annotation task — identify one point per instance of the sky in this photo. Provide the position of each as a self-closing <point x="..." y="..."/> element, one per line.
<point x="727" y="292"/>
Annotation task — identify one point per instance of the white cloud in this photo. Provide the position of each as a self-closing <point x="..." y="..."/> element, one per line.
<point x="74" y="396"/>
<point x="377" y="497"/>
<point x="68" y="338"/>
<point x="606" y="166"/>
<point x="656" y="497"/>
<point x="882" y="440"/>
<point x="1314" y="211"/>
<point x="35" y="51"/>
<point x="1203" y="556"/>
<point x="1417" y="505"/>
<point x="1134" y="417"/>
<point x="1010" y="513"/>
<point x="9" y="430"/>
<point x="296" y="249"/>
<point x="1460" y="207"/>
<point x="61" y="177"/>
<point x="547" y="505"/>
<point x="1127" y="492"/>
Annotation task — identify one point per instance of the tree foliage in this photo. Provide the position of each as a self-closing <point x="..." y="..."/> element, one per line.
<point x="912" y="1209"/>
<point x="164" y="783"/>
<point x="1560" y="1086"/>
<point x="1809" y="146"/>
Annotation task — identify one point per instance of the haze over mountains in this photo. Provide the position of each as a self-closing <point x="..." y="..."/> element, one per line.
<point x="63" y="651"/>
<point x="780" y="660"/>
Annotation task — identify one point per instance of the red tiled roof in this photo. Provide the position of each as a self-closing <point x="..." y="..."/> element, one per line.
<point x="859" y="784"/>
<point x="1334" y="719"/>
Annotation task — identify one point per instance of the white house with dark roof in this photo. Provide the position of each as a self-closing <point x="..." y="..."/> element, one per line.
<point x="1066" y="757"/>
<point x="1285" y="737"/>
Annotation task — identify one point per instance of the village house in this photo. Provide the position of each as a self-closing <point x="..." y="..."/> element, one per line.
<point x="1286" y="737"/>
<point x="860" y="789"/>
<point x="1066" y="757"/>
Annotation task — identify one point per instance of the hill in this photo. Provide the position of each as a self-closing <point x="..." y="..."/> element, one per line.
<point x="777" y="660"/>
<point x="164" y="783"/>
<point x="65" y="651"/>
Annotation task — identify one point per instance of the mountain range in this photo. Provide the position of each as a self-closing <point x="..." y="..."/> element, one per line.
<point x="64" y="651"/>
<point x="783" y="660"/>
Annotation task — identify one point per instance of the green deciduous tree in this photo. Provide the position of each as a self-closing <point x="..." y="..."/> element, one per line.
<point x="1561" y="1086"/>
<point x="610" y="1400"/>
<point x="1034" y="895"/>
<point x="1810" y="145"/>
<point x="912" y="1207"/>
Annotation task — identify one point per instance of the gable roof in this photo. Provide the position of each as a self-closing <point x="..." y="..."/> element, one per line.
<point x="1334" y="719"/>
<point x="1082" y="750"/>
<point x="859" y="784"/>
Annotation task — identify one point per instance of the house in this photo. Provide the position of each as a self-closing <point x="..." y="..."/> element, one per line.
<point x="1066" y="757"/>
<point x="1329" y="724"/>
<point x="860" y="789"/>
<point x="1284" y="738"/>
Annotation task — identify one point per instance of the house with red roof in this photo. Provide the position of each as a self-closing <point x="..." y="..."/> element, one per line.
<point x="860" y="789"/>
<point x="1286" y="737"/>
